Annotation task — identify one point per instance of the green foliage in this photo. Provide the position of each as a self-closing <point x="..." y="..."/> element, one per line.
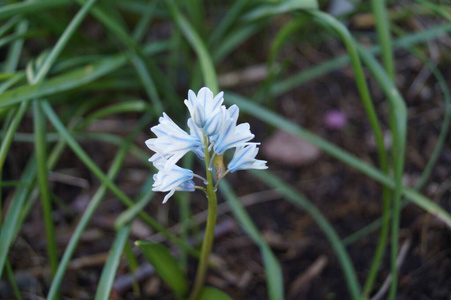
<point x="165" y="265"/>
<point x="208" y="293"/>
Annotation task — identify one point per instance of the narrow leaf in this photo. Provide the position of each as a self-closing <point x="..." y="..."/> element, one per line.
<point x="209" y="293"/>
<point x="165" y="265"/>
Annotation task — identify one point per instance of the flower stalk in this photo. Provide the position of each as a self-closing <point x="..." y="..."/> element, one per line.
<point x="213" y="131"/>
<point x="207" y="243"/>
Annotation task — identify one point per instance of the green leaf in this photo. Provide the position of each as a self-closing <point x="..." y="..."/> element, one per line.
<point x="209" y="293"/>
<point x="110" y="268"/>
<point x="273" y="271"/>
<point x="267" y="10"/>
<point x="165" y="265"/>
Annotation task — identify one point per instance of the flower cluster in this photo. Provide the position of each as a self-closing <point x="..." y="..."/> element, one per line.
<point x="213" y="130"/>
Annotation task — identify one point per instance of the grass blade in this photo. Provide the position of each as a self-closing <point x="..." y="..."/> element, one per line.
<point x="274" y="277"/>
<point x="335" y="151"/>
<point x="110" y="268"/>
<point x="41" y="157"/>
<point x="91" y="208"/>
<point x="15" y="49"/>
<point x="62" y="41"/>
<point x="6" y="143"/>
<point x="27" y="7"/>
<point x="104" y="179"/>
<point x="11" y="224"/>
<point x="383" y="33"/>
<point x="335" y="241"/>
<point x="206" y="63"/>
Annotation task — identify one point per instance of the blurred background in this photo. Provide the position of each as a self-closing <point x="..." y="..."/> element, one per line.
<point x="82" y="82"/>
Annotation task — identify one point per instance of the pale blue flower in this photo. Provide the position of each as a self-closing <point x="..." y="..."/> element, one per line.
<point x="196" y="131"/>
<point x="212" y="128"/>
<point x="173" y="179"/>
<point x="244" y="158"/>
<point x="205" y="109"/>
<point x="231" y="135"/>
<point x="172" y="142"/>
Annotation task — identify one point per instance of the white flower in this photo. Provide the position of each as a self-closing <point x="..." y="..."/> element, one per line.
<point x="244" y="158"/>
<point x="172" y="179"/>
<point x="205" y="109"/>
<point x="231" y="135"/>
<point x="196" y="131"/>
<point x="172" y="142"/>
<point x="213" y="128"/>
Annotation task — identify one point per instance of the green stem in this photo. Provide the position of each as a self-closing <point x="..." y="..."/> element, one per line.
<point x="377" y="131"/>
<point x="383" y="35"/>
<point x="382" y="27"/>
<point x="41" y="153"/>
<point x="209" y="230"/>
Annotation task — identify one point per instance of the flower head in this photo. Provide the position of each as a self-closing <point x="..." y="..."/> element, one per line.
<point x="173" y="179"/>
<point x="230" y="134"/>
<point x="213" y="130"/>
<point x="172" y="142"/>
<point x="205" y="109"/>
<point x="244" y="158"/>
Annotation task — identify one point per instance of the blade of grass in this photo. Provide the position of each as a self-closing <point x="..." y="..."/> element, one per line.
<point x="349" y="159"/>
<point x="145" y="20"/>
<point x="135" y="55"/>
<point x="6" y="124"/>
<point x="196" y="12"/>
<point x="280" y="122"/>
<point x="4" y="41"/>
<point x="124" y="221"/>
<point x="279" y="7"/>
<point x="39" y="125"/>
<point x="263" y="95"/>
<point x="122" y="107"/>
<point x="103" y="178"/>
<point x="61" y="83"/>
<point x="111" y="265"/>
<point x="91" y="208"/>
<point x="444" y="129"/>
<point x="234" y="39"/>
<point x="132" y="212"/>
<point x="69" y="80"/>
<point x="8" y="229"/>
<point x="9" y="270"/>
<point x="8" y="25"/>
<point x="435" y="8"/>
<point x="294" y="81"/>
<point x="12" y="280"/>
<point x="6" y="143"/>
<point x="274" y="277"/>
<point x="360" y="80"/>
<point x="41" y="157"/>
<point x="27" y="7"/>
<point x="398" y="127"/>
<point x="435" y="153"/>
<point x="27" y="193"/>
<point x="298" y="200"/>
<point x="62" y="41"/>
<point x="92" y="72"/>
<point x="197" y="44"/>
<point x="10" y="82"/>
<point x="133" y="265"/>
<point x="232" y="15"/>
<point x="12" y="59"/>
<point x="383" y="33"/>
